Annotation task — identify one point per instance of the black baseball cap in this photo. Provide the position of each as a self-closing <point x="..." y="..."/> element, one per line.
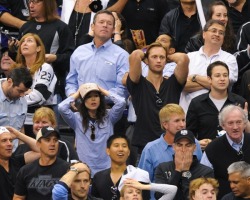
<point x="46" y="131"/>
<point x="184" y="133"/>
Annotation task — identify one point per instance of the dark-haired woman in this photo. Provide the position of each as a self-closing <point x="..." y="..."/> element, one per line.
<point x="217" y="11"/>
<point x="93" y="124"/>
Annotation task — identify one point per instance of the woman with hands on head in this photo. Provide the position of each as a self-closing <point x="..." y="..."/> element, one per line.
<point x="93" y="123"/>
<point x="133" y="189"/>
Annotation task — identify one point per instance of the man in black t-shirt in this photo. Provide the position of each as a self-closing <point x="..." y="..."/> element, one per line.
<point x="149" y="94"/>
<point x="36" y="180"/>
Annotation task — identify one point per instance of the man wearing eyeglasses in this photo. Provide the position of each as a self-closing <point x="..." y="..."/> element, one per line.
<point x="231" y="147"/>
<point x="149" y="94"/>
<point x="197" y="81"/>
<point x="36" y="180"/>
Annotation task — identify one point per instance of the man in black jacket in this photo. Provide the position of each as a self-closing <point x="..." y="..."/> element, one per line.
<point x="184" y="168"/>
<point x="229" y="148"/>
<point x="182" y="23"/>
<point x="202" y="115"/>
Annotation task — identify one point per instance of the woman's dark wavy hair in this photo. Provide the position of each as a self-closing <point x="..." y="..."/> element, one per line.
<point x="229" y="38"/>
<point x="100" y="113"/>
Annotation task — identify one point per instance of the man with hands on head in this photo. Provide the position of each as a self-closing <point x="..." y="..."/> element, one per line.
<point x="184" y="168"/>
<point x="153" y="91"/>
<point x="77" y="180"/>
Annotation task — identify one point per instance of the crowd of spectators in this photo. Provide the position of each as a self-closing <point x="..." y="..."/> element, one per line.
<point x="156" y="100"/>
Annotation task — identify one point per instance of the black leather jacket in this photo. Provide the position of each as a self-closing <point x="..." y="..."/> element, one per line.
<point x="195" y="43"/>
<point x="169" y="22"/>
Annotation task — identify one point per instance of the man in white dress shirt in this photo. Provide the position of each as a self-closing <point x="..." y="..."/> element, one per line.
<point x="197" y="81"/>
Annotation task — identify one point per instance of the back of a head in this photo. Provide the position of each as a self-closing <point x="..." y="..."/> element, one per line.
<point x="21" y="75"/>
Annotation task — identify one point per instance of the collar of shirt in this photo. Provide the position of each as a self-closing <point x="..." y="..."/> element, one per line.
<point x="105" y="45"/>
<point x="165" y="142"/>
<point x="202" y="52"/>
<point x="236" y="146"/>
<point x="2" y="95"/>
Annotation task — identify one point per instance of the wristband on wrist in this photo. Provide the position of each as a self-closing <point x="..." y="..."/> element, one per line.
<point x="117" y="33"/>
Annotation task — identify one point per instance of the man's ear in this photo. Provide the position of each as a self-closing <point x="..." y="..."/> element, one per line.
<point x="165" y="125"/>
<point x="203" y="35"/>
<point x="10" y="81"/>
<point x="248" y="180"/>
<point x="92" y="27"/>
<point x="107" y="151"/>
<point x="38" y="144"/>
<point x="209" y="80"/>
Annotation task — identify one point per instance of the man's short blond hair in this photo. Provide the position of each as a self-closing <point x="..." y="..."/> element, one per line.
<point x="168" y="110"/>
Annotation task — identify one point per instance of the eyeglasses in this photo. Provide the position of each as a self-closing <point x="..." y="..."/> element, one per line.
<point x="158" y="101"/>
<point x="215" y="31"/>
<point x="92" y="136"/>
<point x="34" y="1"/>
<point x="114" y="190"/>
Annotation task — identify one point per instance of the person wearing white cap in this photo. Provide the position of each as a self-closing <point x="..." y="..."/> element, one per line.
<point x="36" y="180"/>
<point x="93" y="124"/>
<point x="10" y="164"/>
